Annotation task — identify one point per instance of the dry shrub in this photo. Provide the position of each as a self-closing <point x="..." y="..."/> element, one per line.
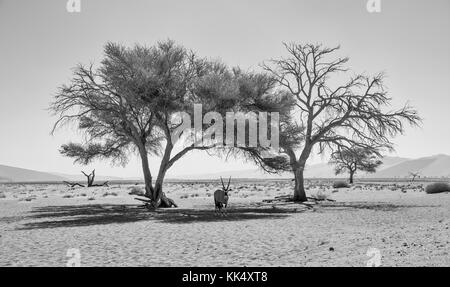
<point x="110" y="194"/>
<point x="137" y="190"/>
<point x="340" y="184"/>
<point x="437" y="187"/>
<point x="321" y="195"/>
<point x="29" y="198"/>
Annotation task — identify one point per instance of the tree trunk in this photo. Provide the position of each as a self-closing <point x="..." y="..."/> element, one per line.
<point x="147" y="174"/>
<point x="351" y="176"/>
<point x="298" y="168"/>
<point x="90" y="178"/>
<point x="158" y="192"/>
<point x="162" y="172"/>
<point x="159" y="196"/>
<point x="299" y="188"/>
<point x="161" y="200"/>
<point x="155" y="193"/>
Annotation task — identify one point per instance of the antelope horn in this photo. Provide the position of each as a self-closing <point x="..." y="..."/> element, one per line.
<point x="221" y="180"/>
<point x="229" y="181"/>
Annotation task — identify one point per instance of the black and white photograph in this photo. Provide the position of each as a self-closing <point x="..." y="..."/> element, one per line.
<point x="235" y="134"/>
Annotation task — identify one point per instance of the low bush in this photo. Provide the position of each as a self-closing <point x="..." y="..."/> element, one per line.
<point x="437" y="187"/>
<point x="321" y="195"/>
<point x="137" y="190"/>
<point x="340" y="184"/>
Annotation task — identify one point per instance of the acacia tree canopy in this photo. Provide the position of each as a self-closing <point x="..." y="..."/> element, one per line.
<point x="126" y="104"/>
<point x="131" y="101"/>
<point x="354" y="159"/>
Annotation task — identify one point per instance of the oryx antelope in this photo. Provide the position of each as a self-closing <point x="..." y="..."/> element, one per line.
<point x="221" y="197"/>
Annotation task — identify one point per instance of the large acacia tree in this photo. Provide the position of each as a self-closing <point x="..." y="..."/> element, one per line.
<point x="332" y="108"/>
<point x="130" y="102"/>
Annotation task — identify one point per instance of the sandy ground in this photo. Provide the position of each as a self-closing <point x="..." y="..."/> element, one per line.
<point x="40" y="223"/>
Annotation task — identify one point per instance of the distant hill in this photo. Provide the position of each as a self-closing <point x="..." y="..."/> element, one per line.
<point x="247" y="173"/>
<point x="389" y="161"/>
<point x="81" y="177"/>
<point x="433" y="166"/>
<point x="15" y="174"/>
<point x="325" y="170"/>
<point x="392" y="167"/>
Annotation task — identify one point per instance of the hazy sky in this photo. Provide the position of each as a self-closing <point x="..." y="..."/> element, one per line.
<point x="40" y="42"/>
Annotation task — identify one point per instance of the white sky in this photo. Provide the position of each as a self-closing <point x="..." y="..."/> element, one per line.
<point x="40" y="42"/>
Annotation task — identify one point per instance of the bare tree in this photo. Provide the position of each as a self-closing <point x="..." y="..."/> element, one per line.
<point x="90" y="177"/>
<point x="354" y="159"/>
<point x="413" y="175"/>
<point x="90" y="181"/>
<point x="330" y="113"/>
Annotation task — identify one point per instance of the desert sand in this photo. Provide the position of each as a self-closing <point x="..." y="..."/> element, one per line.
<point x="39" y="223"/>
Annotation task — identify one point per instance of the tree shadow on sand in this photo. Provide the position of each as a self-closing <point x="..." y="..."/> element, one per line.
<point x="376" y="206"/>
<point x="101" y="214"/>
